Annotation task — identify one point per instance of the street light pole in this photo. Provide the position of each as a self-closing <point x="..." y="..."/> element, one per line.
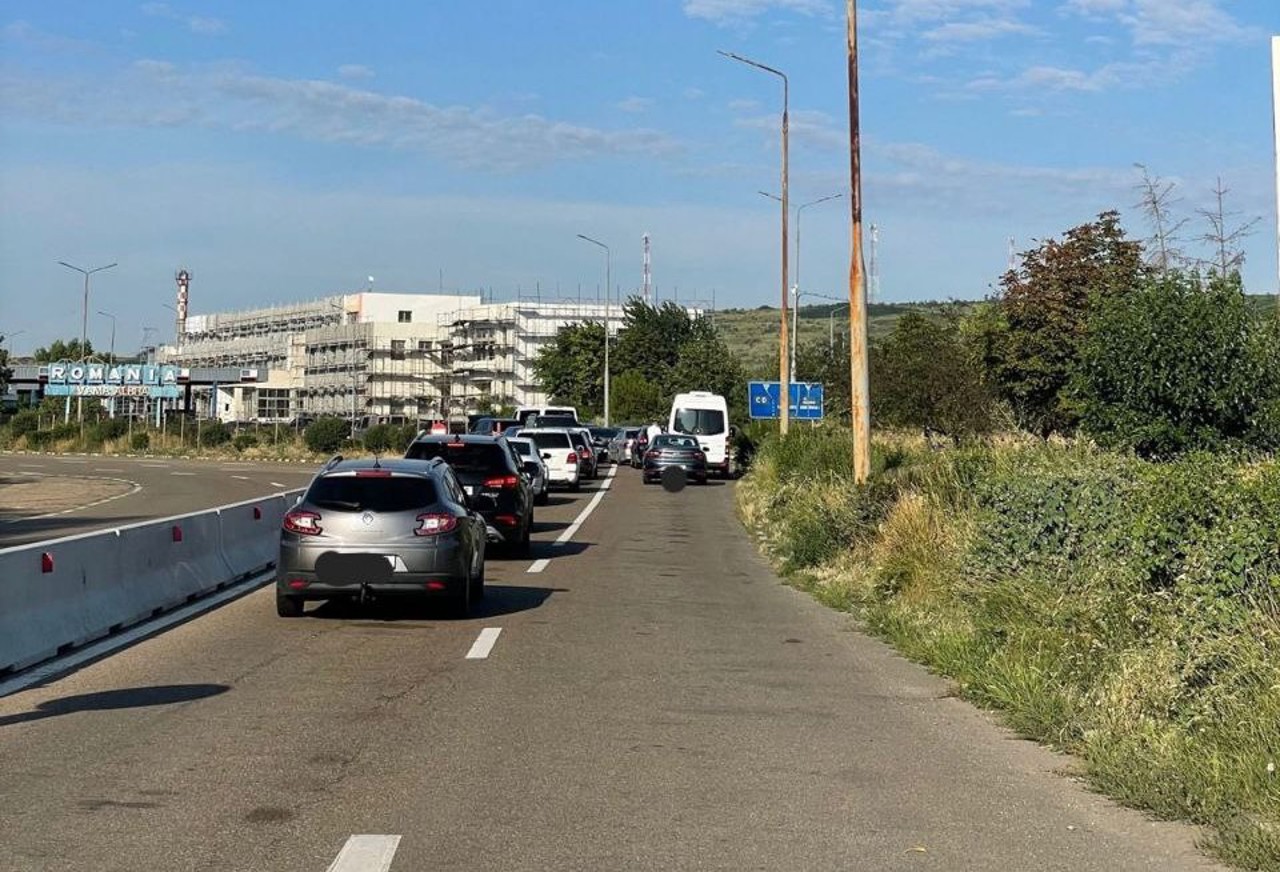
<point x="112" y="357"/>
<point x="784" y="392"/>
<point x="608" y="300"/>
<point x="84" y="318"/>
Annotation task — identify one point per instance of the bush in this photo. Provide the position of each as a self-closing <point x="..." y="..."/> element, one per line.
<point x="1179" y="365"/>
<point x="26" y="421"/>
<point x="244" y="439"/>
<point x="214" y="433"/>
<point x="140" y="441"/>
<point x="326" y="435"/>
<point x="387" y="438"/>
<point x="108" y="429"/>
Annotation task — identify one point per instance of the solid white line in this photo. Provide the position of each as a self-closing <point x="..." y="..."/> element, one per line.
<point x="111" y="644"/>
<point x="366" y="854"/>
<point x="539" y="565"/>
<point x="484" y="643"/>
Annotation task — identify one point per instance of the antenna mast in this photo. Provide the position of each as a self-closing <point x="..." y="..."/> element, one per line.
<point x="648" y="273"/>
<point x="183" y="278"/>
<point x="1013" y="254"/>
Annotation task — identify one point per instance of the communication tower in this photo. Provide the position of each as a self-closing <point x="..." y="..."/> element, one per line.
<point x="183" y="278"/>
<point x="648" y="274"/>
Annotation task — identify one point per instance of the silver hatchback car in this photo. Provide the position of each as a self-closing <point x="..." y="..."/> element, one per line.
<point x="374" y="528"/>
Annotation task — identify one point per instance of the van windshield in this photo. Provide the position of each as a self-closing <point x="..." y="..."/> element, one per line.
<point x="699" y="422"/>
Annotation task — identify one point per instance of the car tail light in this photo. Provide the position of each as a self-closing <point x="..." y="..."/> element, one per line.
<point x="698" y="455"/>
<point x="572" y="458"/>
<point x="506" y="482"/>
<point x="303" y="523"/>
<point x="654" y="453"/>
<point x="298" y="583"/>
<point x="433" y="523"/>
<point x="510" y="520"/>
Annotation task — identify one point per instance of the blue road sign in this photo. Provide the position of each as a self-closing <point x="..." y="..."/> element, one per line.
<point x="806" y="400"/>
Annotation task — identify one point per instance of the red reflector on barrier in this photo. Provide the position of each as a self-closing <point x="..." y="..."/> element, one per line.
<point x="435" y="585"/>
<point x="257" y="513"/>
<point x="298" y="583"/>
<point x="177" y="533"/>
<point x="46" y="562"/>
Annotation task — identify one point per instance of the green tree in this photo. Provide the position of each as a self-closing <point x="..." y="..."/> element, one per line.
<point x="635" y="399"/>
<point x="1030" y="337"/>
<point x="63" y="350"/>
<point x="650" y="339"/>
<point x="925" y="375"/>
<point x="704" y="363"/>
<point x="825" y="361"/>
<point x="571" y="368"/>
<point x="6" y="373"/>
<point x="1180" y="364"/>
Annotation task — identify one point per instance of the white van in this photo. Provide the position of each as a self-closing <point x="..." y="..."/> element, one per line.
<point x="705" y="416"/>
<point x="525" y="413"/>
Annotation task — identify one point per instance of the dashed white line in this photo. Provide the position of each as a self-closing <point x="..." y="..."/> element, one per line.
<point x="540" y="565"/>
<point x="241" y="477"/>
<point x="182" y="473"/>
<point x="484" y="643"/>
<point x="69" y="460"/>
<point x="134" y="487"/>
<point x="282" y="484"/>
<point x="366" y="854"/>
<point x="155" y="465"/>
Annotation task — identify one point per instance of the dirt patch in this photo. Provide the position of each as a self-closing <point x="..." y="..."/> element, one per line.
<point x="23" y="495"/>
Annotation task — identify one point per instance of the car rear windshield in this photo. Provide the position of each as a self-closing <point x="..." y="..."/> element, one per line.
<point x="604" y="432"/>
<point x="462" y="456"/>
<point x="554" y="421"/>
<point x="676" y="442"/>
<point x="348" y="493"/>
<point x="700" y="422"/>
<point x="550" y="440"/>
<point x="522" y="448"/>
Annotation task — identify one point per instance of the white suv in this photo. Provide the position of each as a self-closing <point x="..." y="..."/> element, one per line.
<point x="559" y="454"/>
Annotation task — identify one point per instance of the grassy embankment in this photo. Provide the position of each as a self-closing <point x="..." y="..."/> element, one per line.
<point x="1125" y="612"/>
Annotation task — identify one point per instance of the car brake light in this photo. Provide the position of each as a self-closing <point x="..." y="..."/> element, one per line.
<point x="506" y="482"/>
<point x="654" y="453"/>
<point x="372" y="473"/>
<point x="303" y="523"/>
<point x="572" y="458"/>
<point x="432" y="523"/>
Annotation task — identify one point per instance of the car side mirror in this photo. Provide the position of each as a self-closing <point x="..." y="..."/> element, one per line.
<point x="546" y="455"/>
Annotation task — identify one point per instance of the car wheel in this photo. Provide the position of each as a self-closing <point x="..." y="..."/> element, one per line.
<point x="289" y="606"/>
<point x="522" y="546"/>
<point x="460" y="603"/>
<point x="576" y="486"/>
<point x="542" y="498"/>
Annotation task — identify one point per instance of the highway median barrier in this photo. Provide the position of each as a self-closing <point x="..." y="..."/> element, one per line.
<point x="58" y="595"/>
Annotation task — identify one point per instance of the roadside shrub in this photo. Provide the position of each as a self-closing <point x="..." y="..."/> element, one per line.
<point x="110" y="428"/>
<point x="1180" y="364"/>
<point x="140" y="441"/>
<point x="385" y="438"/>
<point x="26" y="421"/>
<point x="63" y="432"/>
<point x="326" y="435"/>
<point x="214" y="433"/>
<point x="244" y="439"/>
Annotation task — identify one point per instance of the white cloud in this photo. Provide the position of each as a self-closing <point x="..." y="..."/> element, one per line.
<point x="806" y="125"/>
<point x="355" y="71"/>
<point x="636" y="104"/>
<point x="201" y="24"/>
<point x="694" y="93"/>
<point x="1165" y="23"/>
<point x="977" y="31"/>
<point x="158" y="94"/>
<point x="735" y="12"/>
<point x="744" y="105"/>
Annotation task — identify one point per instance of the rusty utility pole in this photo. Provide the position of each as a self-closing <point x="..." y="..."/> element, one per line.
<point x="859" y="382"/>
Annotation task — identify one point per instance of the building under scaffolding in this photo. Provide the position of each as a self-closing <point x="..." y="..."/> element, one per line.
<point x="378" y="356"/>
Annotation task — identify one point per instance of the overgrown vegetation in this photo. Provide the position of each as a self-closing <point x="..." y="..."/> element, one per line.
<point x="1125" y="611"/>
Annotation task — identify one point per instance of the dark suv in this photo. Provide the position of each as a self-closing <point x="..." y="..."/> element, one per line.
<point x="369" y="528"/>
<point x="494" y="480"/>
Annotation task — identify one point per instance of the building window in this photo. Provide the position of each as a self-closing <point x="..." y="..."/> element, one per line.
<point x="397" y="349"/>
<point x="424" y="344"/>
<point x="405" y="316"/>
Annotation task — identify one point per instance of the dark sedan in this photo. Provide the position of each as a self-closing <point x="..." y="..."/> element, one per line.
<point x="671" y="450"/>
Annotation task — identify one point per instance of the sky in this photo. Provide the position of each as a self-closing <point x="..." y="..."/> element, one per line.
<point x="287" y="150"/>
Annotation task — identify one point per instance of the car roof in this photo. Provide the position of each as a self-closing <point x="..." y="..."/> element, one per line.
<point x="563" y="430"/>
<point x="391" y="464"/>
<point x="464" y="438"/>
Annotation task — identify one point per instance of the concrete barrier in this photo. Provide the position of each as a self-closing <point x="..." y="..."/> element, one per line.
<point x="61" y="594"/>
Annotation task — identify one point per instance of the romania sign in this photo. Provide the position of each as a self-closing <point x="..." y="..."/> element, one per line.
<point x="89" y="379"/>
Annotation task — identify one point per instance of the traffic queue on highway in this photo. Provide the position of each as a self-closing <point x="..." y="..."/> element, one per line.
<point x="423" y="525"/>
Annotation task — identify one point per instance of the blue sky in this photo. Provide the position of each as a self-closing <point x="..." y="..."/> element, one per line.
<point x="290" y="149"/>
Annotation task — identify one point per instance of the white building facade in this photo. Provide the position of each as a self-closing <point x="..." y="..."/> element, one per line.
<point x="378" y="356"/>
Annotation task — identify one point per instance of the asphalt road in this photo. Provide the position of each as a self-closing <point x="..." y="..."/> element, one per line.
<point x="655" y="699"/>
<point x="154" y="488"/>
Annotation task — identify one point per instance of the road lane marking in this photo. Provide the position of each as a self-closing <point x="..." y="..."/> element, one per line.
<point x="366" y="854"/>
<point x="106" y="469"/>
<point x="155" y="465"/>
<point x="182" y="473"/>
<point x="30" y="466"/>
<point x="69" y="460"/>
<point x="134" y="488"/>
<point x="539" y="565"/>
<point x="241" y="477"/>
<point x="484" y="643"/>
<point x="282" y="484"/>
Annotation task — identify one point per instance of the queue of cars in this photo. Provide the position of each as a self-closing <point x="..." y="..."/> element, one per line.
<point x="422" y="525"/>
